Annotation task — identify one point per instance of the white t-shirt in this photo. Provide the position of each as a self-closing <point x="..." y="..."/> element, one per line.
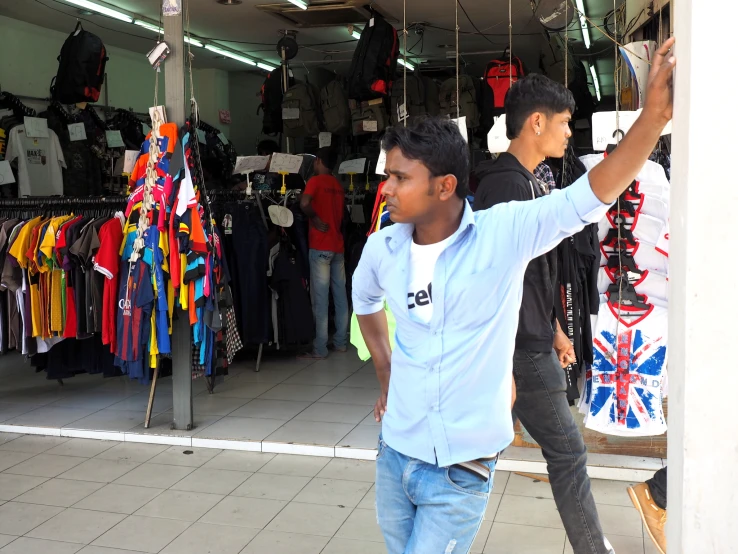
<point x="40" y="163"/>
<point x="662" y="244"/>
<point x="653" y="285"/>
<point x="644" y="227"/>
<point x="644" y="255"/>
<point x="423" y="260"/>
<point x="651" y="179"/>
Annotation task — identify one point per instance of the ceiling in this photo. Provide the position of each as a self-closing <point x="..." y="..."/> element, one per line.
<point x="249" y="30"/>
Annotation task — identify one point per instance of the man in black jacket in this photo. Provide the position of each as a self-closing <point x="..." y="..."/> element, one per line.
<point x="538" y="112"/>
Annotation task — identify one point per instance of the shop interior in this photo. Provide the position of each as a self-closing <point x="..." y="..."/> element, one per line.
<point x="247" y="390"/>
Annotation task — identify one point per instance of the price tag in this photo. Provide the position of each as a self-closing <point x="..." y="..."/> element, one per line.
<point x="285" y="163"/>
<point x="114" y="139"/>
<point x="36" y="127"/>
<point x="224" y="116"/>
<point x="223" y="138"/>
<point x="246" y="164"/>
<point x="324" y="140"/>
<point x="605" y="126"/>
<point x="371" y="22"/>
<point x="77" y="132"/>
<point x="352" y="166"/>
<point x="381" y="163"/>
<point x="401" y="112"/>
<point x="497" y="140"/>
<point x="369" y="126"/>
<point x="201" y="136"/>
<point x="6" y="174"/>
<point x="130" y="161"/>
<point x="461" y="123"/>
<point x="290" y="113"/>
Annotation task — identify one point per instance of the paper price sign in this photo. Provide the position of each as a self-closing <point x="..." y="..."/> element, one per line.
<point x="461" y="124"/>
<point x="6" y="174"/>
<point x="605" y="127"/>
<point x="130" y="161"/>
<point x="77" y="132"/>
<point x="114" y="139"/>
<point x="285" y="163"/>
<point x="369" y="126"/>
<point x="290" y="113"/>
<point x="352" y="166"/>
<point x="36" y="127"/>
<point x="497" y="140"/>
<point x="247" y="164"/>
<point x="324" y="140"/>
<point x="381" y="163"/>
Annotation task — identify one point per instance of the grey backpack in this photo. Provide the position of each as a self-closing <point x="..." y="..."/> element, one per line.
<point x="415" y="99"/>
<point x="335" y="108"/>
<point x="467" y="100"/>
<point x="301" y="111"/>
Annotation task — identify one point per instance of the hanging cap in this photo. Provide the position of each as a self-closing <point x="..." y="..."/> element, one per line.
<point x="281" y="216"/>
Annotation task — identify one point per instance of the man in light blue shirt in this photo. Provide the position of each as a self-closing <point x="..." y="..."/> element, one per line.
<point x="453" y="280"/>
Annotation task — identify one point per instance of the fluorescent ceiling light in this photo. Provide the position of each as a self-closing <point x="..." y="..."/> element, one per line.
<point x="229" y="54"/>
<point x="265" y="66"/>
<point x="596" y="81"/>
<point x="410" y="66"/>
<point x="156" y="29"/>
<point x="97" y="8"/>
<point x="583" y="22"/>
<point x="300" y="4"/>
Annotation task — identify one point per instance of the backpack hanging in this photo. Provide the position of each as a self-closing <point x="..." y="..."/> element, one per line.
<point x="81" y="68"/>
<point x="496" y="84"/>
<point x="374" y="61"/>
<point x="271" y="102"/>
<point x="415" y="99"/>
<point x="467" y="100"/>
<point x="301" y="111"/>
<point x="335" y="108"/>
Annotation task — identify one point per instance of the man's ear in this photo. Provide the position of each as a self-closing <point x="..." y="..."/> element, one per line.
<point x="447" y="187"/>
<point x="537" y="122"/>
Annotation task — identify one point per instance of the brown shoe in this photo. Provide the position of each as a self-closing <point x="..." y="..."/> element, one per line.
<point x="653" y="516"/>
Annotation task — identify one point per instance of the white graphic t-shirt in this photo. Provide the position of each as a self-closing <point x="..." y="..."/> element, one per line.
<point x="40" y="162"/>
<point x="423" y="260"/>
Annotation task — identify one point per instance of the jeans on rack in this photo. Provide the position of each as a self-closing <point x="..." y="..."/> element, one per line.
<point x="426" y="509"/>
<point x="328" y="273"/>
<point x="657" y="484"/>
<point x="543" y="409"/>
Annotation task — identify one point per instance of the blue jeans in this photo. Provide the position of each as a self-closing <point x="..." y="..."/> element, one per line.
<point x="327" y="272"/>
<point x="426" y="509"/>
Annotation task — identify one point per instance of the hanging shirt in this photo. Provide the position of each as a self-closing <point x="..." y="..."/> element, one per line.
<point x="652" y="284"/>
<point x="644" y="227"/>
<point x="40" y="163"/>
<point x="662" y="243"/>
<point x="328" y="203"/>
<point x="628" y="371"/>
<point x="420" y="283"/>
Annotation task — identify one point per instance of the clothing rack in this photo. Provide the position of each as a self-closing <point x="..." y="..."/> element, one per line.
<point x="49" y="100"/>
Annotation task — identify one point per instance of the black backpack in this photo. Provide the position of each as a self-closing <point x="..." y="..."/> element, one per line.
<point x="271" y="102"/>
<point x="81" y="68"/>
<point x="374" y="62"/>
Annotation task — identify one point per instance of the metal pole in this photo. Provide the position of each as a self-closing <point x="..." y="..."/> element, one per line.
<point x="285" y="86"/>
<point x="174" y="77"/>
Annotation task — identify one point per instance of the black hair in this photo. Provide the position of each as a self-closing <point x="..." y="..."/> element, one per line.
<point x="437" y="143"/>
<point x="328" y="156"/>
<point x="535" y="93"/>
<point x="267" y="147"/>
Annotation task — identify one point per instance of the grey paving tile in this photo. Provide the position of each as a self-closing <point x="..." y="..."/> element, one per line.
<point x="80" y="526"/>
<point x="520" y="485"/>
<point x="369" y="502"/>
<point x="17" y="518"/>
<point x="311" y="432"/>
<point x="300" y="466"/>
<point x="155" y="476"/>
<point x="133" y="452"/>
<point x="274" y="487"/>
<point x="215" y="404"/>
<point x="7" y="437"/>
<point x="82" y="448"/>
<point x="362" y="381"/>
<point x="144" y="534"/>
<point x="499" y="481"/>
<point x="352" y="395"/>
<point x="59" y="492"/>
<point x="526" y="510"/>
<point x="482" y="538"/>
<point x="301" y="393"/>
<point x="182" y="505"/>
<point x="310" y="519"/>
<point x="334" y="413"/>
<point x="349" y="546"/>
<point x="239" y="461"/>
<point x="350" y="470"/>
<point x="620" y="520"/>
<point x="254" y="513"/>
<point x="99" y="470"/>
<point x="362" y="436"/>
<point x="361" y="525"/>
<point x="33" y="444"/>
<point x="6" y="539"/>
<point x="493" y="504"/>
<point x="49" y="416"/>
<point x="244" y="428"/>
<point x="275" y="542"/>
<point x="45" y="465"/>
<point x="623" y="545"/>
<point x="122" y="499"/>
<point x="102" y="550"/>
<point x="247" y="390"/>
<point x="10" y="411"/>
<point x="185" y="456"/>
<point x="333" y="492"/>
<point x="271" y="409"/>
<point x="214" y="481"/>
<point x="523" y="539"/>
<point x="109" y="420"/>
<point x="611" y="492"/>
<point x="12" y="486"/>
<point x="9" y="458"/>
<point x="26" y="545"/>
<point x="309" y="376"/>
<point x="204" y="538"/>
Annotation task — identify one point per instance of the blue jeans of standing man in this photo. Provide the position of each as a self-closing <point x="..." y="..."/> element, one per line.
<point x="327" y="272"/>
<point x="426" y="509"/>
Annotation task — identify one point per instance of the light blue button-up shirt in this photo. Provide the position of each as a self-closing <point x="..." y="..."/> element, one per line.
<point x="450" y="386"/>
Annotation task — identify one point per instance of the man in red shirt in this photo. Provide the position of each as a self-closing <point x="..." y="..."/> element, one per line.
<point x="323" y="203"/>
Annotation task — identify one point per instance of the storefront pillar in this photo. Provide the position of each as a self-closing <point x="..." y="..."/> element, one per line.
<point x="174" y="77"/>
<point x="703" y="367"/>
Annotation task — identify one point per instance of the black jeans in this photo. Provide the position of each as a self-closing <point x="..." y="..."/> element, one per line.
<point x="544" y="411"/>
<point x="657" y="484"/>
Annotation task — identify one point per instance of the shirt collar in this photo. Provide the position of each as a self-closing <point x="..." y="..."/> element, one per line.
<point x="404" y="231"/>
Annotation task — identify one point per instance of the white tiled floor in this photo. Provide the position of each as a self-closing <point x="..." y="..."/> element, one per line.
<point x="184" y="500"/>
